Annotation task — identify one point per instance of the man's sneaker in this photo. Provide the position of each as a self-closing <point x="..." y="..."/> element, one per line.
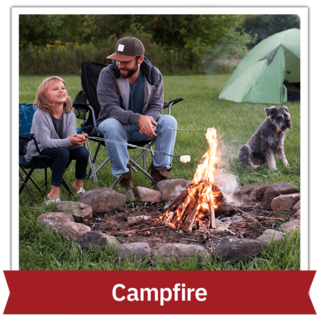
<point x="126" y="179"/>
<point x="160" y="175"/>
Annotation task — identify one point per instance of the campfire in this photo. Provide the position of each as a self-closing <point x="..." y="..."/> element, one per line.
<point x="195" y="206"/>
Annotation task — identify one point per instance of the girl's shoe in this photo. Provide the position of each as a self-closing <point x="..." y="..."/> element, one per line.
<point x="81" y="191"/>
<point x="48" y="201"/>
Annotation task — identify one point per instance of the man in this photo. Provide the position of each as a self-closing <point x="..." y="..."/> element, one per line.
<point x="131" y="96"/>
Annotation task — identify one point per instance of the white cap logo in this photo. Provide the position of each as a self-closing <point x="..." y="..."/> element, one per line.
<point x="120" y="47"/>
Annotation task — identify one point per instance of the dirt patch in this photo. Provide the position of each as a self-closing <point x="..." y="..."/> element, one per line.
<point x="244" y="222"/>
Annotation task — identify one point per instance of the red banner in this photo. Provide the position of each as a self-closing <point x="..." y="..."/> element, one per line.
<point x="159" y="292"/>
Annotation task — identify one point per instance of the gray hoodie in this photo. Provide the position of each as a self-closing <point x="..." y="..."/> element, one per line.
<point x="113" y="94"/>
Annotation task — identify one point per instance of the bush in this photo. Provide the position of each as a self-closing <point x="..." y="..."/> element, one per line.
<point x="66" y="59"/>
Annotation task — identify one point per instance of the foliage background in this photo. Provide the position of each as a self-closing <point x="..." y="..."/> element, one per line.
<point x="176" y="44"/>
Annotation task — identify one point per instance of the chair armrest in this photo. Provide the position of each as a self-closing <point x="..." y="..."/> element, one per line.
<point x="170" y="104"/>
<point x="24" y="139"/>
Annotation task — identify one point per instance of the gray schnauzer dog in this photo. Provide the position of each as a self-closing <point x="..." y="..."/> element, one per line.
<point x="268" y="139"/>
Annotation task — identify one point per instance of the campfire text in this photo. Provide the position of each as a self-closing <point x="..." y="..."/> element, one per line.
<point x="119" y="293"/>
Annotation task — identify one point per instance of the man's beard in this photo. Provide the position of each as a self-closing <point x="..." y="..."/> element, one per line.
<point x="130" y="72"/>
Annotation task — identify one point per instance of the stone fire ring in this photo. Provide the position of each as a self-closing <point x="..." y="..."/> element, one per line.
<point x="68" y="221"/>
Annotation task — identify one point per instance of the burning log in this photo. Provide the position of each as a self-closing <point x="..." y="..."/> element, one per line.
<point x="212" y="216"/>
<point x="198" y="205"/>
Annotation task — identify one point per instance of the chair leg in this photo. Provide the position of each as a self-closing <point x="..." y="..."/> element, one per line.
<point x="91" y="163"/>
<point x="26" y="180"/>
<point x="101" y="166"/>
<point x="46" y="178"/>
<point x="31" y="179"/>
<point x="66" y="186"/>
<point x="141" y="169"/>
<point x="27" y="188"/>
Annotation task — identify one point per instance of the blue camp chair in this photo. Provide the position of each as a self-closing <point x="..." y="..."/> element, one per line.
<point x="26" y="112"/>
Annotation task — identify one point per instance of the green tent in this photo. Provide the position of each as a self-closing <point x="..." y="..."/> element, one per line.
<point x="260" y="76"/>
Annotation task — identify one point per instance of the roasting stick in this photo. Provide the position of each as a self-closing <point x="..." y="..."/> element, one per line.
<point x="180" y="129"/>
<point x="183" y="158"/>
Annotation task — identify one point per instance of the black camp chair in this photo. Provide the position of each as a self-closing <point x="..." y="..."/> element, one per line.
<point x="90" y="72"/>
<point x="26" y="112"/>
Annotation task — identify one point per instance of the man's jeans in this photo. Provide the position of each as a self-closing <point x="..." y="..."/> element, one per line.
<point x="61" y="156"/>
<point x="164" y="142"/>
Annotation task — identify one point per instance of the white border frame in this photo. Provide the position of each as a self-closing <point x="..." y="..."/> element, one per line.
<point x="301" y="11"/>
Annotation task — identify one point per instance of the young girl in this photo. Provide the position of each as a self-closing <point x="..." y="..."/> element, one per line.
<point x="54" y="128"/>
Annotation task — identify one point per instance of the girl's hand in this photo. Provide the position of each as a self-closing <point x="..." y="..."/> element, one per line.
<point x="78" y="139"/>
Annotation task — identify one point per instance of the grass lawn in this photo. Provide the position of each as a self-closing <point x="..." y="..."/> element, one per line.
<point x="201" y="109"/>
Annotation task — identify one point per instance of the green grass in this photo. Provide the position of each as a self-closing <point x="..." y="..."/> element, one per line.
<point x="201" y="109"/>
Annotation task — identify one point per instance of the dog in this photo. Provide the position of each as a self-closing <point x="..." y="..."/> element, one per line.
<point x="268" y="140"/>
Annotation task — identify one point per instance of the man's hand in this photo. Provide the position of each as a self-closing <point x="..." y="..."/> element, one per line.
<point x="145" y="125"/>
<point x="77" y="139"/>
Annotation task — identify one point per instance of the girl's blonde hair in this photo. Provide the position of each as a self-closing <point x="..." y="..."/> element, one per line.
<point x="42" y="101"/>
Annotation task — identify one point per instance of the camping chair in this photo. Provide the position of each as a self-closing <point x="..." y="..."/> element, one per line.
<point x="90" y="72"/>
<point x="26" y="112"/>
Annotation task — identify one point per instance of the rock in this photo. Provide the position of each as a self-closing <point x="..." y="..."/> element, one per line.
<point x="228" y="186"/>
<point x="293" y="225"/>
<point x="276" y="189"/>
<point x="167" y="187"/>
<point x="54" y="217"/>
<point x="177" y="190"/>
<point x="130" y="195"/>
<point x="73" y="230"/>
<point x="179" y="252"/>
<point x="251" y="193"/>
<point x="68" y="215"/>
<point x="53" y="224"/>
<point x="78" y="210"/>
<point x="295" y="216"/>
<point x="283" y="203"/>
<point x="95" y="238"/>
<point x="236" y="249"/>
<point x="270" y="236"/>
<point x="134" y="250"/>
<point x="103" y="199"/>
<point x="147" y="194"/>
<point x="296" y="206"/>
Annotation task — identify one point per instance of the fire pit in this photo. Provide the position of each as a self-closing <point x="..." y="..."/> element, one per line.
<point x="143" y="224"/>
<point x="201" y="214"/>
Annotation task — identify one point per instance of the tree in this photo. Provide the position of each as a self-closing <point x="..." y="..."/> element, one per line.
<point x="264" y="26"/>
<point x="47" y="29"/>
<point x="38" y="29"/>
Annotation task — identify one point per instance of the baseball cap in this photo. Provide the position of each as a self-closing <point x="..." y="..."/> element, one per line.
<point x="126" y="49"/>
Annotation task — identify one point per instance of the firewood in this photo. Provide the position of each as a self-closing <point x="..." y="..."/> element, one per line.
<point x="188" y="225"/>
<point x="137" y="230"/>
<point x="271" y="218"/>
<point x="253" y="228"/>
<point x="137" y="219"/>
<point x="177" y="200"/>
<point x="229" y="231"/>
<point x="212" y="216"/>
<point x="170" y="225"/>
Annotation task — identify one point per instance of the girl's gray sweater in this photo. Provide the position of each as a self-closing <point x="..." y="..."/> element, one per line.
<point x="45" y="134"/>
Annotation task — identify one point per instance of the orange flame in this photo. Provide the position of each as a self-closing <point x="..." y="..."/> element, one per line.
<point x="201" y="196"/>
